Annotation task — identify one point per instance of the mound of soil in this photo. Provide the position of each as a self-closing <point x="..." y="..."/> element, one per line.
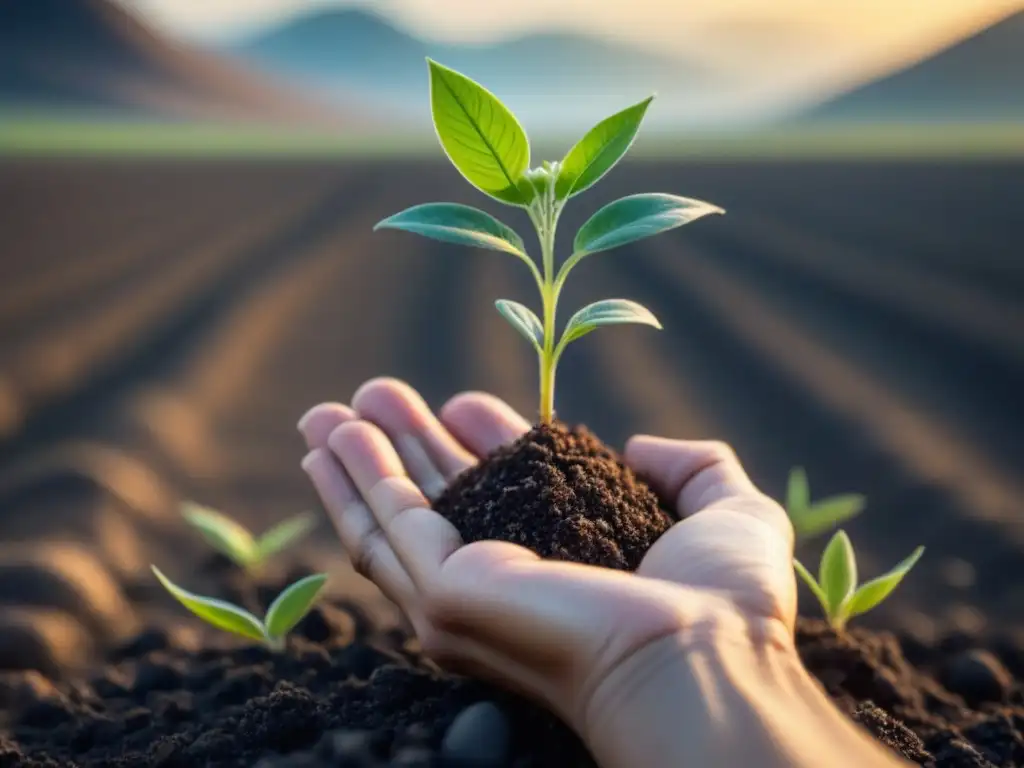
<point x="562" y="493"/>
<point x="349" y="692"/>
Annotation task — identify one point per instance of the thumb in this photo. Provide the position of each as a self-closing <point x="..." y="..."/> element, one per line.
<point x="697" y="475"/>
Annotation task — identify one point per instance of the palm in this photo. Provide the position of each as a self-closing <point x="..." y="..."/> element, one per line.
<point x="731" y="553"/>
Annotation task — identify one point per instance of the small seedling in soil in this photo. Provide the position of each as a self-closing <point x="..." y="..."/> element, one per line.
<point x="836" y="586"/>
<point x="284" y="613"/>
<point x="238" y="544"/>
<point x="814" y="518"/>
<point x="490" y="149"/>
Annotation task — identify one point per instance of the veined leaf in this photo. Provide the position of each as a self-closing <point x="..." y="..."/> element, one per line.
<point x="798" y="493"/>
<point x="811" y="582"/>
<point x="873" y="592"/>
<point x="284" y="534"/>
<point x="480" y="135"/>
<point x="219" y="613"/>
<point x="598" y="152"/>
<point x="837" y="575"/>
<point x="292" y="604"/>
<point x="523" y="320"/>
<point x="224" y="534"/>
<point x="828" y="513"/>
<point x="459" y="224"/>
<point x="635" y="218"/>
<point x="607" y="312"/>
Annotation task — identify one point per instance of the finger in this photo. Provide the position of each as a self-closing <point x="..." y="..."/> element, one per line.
<point x="469" y="658"/>
<point x="696" y="475"/>
<point x="431" y="455"/>
<point x="544" y="614"/>
<point x="482" y="422"/>
<point x="420" y="538"/>
<point x="319" y="421"/>
<point x="360" y="535"/>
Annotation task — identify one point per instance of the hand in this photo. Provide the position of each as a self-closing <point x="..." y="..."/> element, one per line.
<point x="559" y="632"/>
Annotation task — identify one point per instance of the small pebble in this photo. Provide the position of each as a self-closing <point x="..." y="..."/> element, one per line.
<point x="978" y="676"/>
<point x="478" y="737"/>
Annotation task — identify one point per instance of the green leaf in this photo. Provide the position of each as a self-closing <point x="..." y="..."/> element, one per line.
<point x="828" y="513"/>
<point x="810" y="581"/>
<point x="219" y="613"/>
<point x="523" y="320"/>
<point x="459" y="224"/>
<point x="875" y="591"/>
<point x="607" y="312"/>
<point x="598" y="151"/>
<point x="480" y="135"/>
<point x="635" y="218"/>
<point x="284" y="534"/>
<point x="223" y="534"/>
<point x="837" y="575"/>
<point x="798" y="493"/>
<point x="292" y="604"/>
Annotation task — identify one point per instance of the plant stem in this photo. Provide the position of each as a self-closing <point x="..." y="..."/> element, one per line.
<point x="547" y="225"/>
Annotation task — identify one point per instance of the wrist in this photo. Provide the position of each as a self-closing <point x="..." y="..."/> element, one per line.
<point x="638" y="712"/>
<point x="725" y="689"/>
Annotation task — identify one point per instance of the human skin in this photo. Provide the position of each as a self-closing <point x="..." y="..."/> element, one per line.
<point x="689" y="661"/>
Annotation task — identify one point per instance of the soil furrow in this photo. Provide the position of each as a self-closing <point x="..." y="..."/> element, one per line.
<point x="919" y="346"/>
<point x="786" y="398"/>
<point x="206" y="297"/>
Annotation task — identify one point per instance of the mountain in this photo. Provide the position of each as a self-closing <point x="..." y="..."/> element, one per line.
<point x="93" y="55"/>
<point x="980" y="78"/>
<point x="366" y="55"/>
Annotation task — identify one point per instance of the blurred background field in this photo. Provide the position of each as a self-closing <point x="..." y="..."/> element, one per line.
<point x="187" y="191"/>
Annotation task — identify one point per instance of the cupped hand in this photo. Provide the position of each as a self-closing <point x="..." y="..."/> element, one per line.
<point x="559" y="632"/>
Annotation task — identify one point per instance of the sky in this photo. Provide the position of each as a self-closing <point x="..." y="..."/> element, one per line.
<point x="785" y="49"/>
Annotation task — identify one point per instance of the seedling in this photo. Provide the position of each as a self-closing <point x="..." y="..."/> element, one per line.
<point x="836" y="586"/>
<point x="283" y="614"/>
<point x="486" y="143"/>
<point x="814" y="518"/>
<point x="235" y="541"/>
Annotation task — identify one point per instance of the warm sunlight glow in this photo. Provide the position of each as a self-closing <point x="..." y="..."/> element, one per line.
<point x="785" y="47"/>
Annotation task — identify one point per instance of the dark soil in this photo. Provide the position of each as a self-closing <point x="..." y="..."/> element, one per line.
<point x="348" y="692"/>
<point x="562" y="493"/>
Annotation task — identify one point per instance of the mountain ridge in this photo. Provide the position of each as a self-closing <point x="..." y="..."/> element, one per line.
<point x="95" y="55"/>
<point x="979" y="77"/>
<point x="382" y="62"/>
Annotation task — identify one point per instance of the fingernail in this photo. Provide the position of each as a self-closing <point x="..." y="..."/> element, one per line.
<point x="420" y="466"/>
<point x="301" y="426"/>
<point x="309" y="460"/>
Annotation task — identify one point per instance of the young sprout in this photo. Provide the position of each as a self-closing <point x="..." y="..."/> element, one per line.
<point x="488" y="146"/>
<point x="813" y="518"/>
<point x="836" y="586"/>
<point x="283" y="614"/>
<point x="235" y="541"/>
